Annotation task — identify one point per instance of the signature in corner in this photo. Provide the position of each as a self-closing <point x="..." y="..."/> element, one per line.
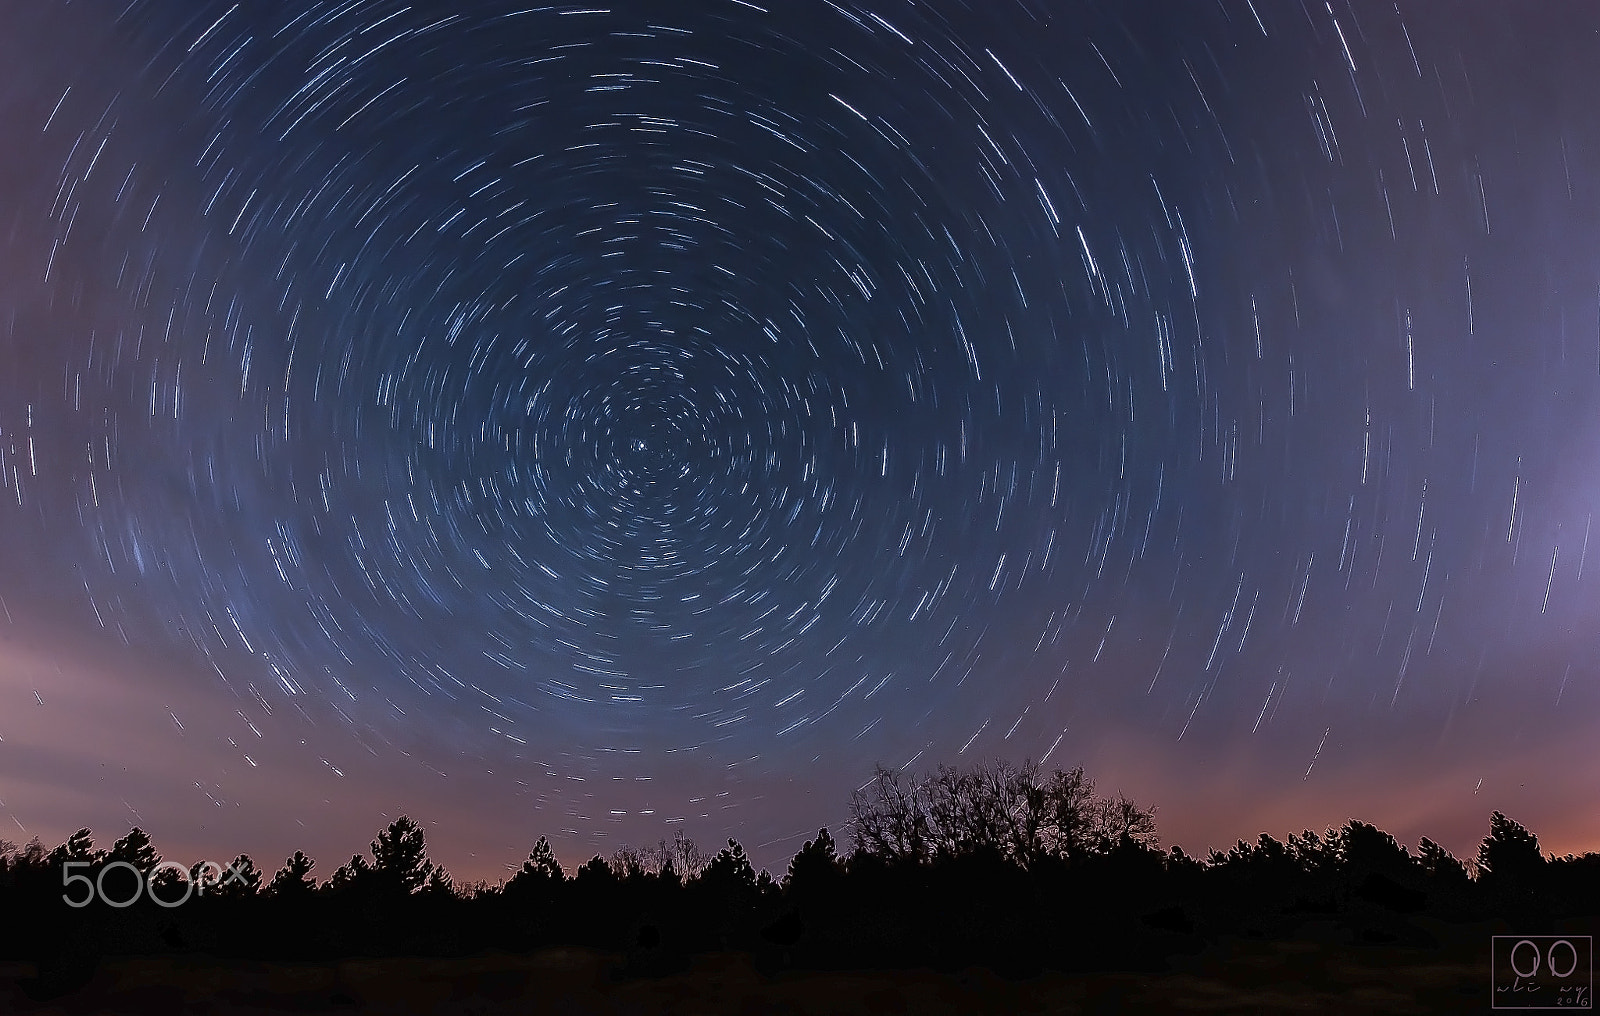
<point x="1574" y="997"/>
<point x="1568" y="996"/>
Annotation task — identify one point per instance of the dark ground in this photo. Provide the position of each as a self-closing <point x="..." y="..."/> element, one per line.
<point x="1319" y="971"/>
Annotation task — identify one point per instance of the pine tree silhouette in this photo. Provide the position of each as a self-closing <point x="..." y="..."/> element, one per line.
<point x="400" y="857"/>
<point x="1439" y="864"/>
<point x="1509" y="859"/>
<point x="730" y="870"/>
<point x="595" y="875"/>
<point x="240" y="880"/>
<point x="355" y="874"/>
<point x="815" y="866"/>
<point x="541" y="867"/>
<point x="294" y="879"/>
<point x="135" y="849"/>
<point x="79" y="847"/>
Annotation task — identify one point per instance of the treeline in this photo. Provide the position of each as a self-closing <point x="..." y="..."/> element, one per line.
<point x="1001" y="865"/>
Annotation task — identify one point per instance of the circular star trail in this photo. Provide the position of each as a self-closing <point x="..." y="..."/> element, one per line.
<point x="681" y="376"/>
<point x="759" y="383"/>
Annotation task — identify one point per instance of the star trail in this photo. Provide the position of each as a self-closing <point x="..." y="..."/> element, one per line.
<point x="657" y="414"/>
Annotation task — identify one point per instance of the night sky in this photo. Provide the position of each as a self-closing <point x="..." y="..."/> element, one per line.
<point x="603" y="421"/>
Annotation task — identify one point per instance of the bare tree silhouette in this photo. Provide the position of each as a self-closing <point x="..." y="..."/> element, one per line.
<point x="999" y="810"/>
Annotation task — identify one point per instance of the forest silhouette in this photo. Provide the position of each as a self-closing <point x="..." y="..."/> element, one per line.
<point x="1002" y="866"/>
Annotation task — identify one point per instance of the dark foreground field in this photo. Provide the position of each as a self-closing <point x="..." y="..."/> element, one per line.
<point x="1314" y="973"/>
<point x="1004" y="919"/>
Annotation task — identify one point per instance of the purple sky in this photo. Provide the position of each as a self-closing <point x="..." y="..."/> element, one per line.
<point x="600" y="423"/>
